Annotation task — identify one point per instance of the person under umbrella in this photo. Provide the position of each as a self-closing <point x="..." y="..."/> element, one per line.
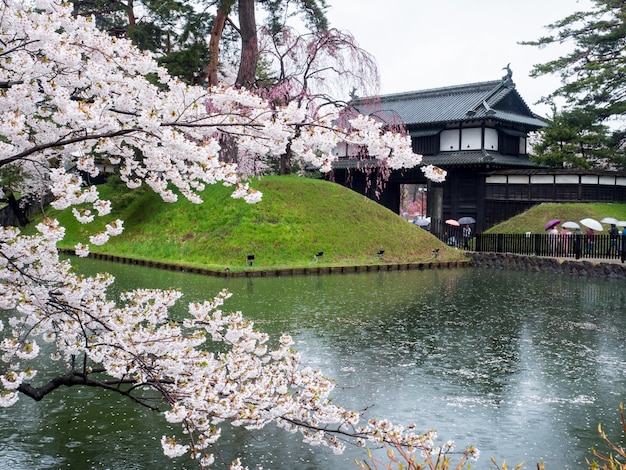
<point x="565" y="234"/>
<point x="467" y="234"/>
<point x="553" y="235"/>
<point x="593" y="226"/>
<point x="591" y="240"/>
<point x="613" y="239"/>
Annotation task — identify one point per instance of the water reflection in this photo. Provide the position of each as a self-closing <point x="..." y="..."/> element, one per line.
<point x="524" y="366"/>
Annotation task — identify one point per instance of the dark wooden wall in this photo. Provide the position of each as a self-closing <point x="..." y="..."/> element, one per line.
<point x="466" y="193"/>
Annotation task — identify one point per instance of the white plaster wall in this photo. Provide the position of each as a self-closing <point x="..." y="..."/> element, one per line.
<point x="491" y="139"/>
<point x="449" y="140"/>
<point x="471" y="139"/>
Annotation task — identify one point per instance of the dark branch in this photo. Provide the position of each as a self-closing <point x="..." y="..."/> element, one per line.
<point x="60" y="143"/>
<point x="74" y="378"/>
<point x="6" y="85"/>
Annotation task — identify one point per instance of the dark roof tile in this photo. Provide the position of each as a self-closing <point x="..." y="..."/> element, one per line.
<point x="451" y="104"/>
<point x="449" y="159"/>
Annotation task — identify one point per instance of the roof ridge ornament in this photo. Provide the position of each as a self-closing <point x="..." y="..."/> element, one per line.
<point x="489" y="109"/>
<point x="507" y="80"/>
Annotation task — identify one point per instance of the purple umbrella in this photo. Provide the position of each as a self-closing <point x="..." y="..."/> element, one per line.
<point x="553" y="223"/>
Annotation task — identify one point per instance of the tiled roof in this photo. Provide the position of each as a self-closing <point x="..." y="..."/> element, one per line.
<point x="476" y="157"/>
<point x="559" y="171"/>
<point x="453" y="104"/>
<point x="447" y="160"/>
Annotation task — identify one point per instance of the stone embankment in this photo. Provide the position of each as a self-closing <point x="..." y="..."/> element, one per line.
<point x="260" y="272"/>
<point x="581" y="268"/>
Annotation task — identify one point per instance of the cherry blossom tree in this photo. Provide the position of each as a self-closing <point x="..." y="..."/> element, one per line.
<point x="313" y="70"/>
<point x="73" y="98"/>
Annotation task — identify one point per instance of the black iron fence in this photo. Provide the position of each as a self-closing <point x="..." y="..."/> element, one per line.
<point x="573" y="245"/>
<point x="453" y="235"/>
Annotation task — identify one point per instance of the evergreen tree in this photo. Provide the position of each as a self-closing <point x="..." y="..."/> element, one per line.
<point x="593" y="73"/>
<point x="176" y="31"/>
<point x="593" y="87"/>
<point x="574" y="139"/>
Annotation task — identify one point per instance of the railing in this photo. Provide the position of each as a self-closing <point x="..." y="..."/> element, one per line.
<point x="573" y="245"/>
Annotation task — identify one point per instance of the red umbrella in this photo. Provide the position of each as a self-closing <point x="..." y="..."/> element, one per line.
<point x="553" y="223"/>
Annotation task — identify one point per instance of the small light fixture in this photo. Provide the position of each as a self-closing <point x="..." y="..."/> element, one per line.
<point x="318" y="255"/>
<point x="250" y="259"/>
<point x="380" y="253"/>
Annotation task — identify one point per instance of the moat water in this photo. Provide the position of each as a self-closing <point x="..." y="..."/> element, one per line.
<point x="523" y="366"/>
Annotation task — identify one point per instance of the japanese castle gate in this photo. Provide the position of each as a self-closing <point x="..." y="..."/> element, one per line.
<point x="479" y="134"/>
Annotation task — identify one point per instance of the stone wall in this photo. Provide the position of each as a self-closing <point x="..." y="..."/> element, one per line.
<point x="581" y="268"/>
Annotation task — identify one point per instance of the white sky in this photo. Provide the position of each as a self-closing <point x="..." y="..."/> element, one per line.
<point x="421" y="44"/>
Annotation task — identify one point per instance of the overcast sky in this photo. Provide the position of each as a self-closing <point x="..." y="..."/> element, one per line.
<point x="422" y="44"/>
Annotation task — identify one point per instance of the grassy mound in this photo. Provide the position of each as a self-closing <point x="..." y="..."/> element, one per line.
<point x="535" y="219"/>
<point x="296" y="219"/>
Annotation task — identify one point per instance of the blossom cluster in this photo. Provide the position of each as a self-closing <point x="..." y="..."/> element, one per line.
<point x="73" y="100"/>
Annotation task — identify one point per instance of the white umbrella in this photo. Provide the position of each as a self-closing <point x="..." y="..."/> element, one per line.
<point x="570" y="224"/>
<point x="609" y="220"/>
<point x="621" y="223"/>
<point x="592" y="224"/>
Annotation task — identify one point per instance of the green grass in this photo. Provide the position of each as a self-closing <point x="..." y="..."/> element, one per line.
<point x="296" y="218"/>
<point x="535" y="219"/>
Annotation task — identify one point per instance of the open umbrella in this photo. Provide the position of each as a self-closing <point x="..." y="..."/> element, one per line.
<point x="467" y="220"/>
<point x="609" y="220"/>
<point x="621" y="223"/>
<point x="592" y="224"/>
<point x="553" y="223"/>
<point x="570" y="224"/>
<point x="453" y="222"/>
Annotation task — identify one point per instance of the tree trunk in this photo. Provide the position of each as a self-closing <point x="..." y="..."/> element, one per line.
<point x="286" y="158"/>
<point x="17" y="210"/>
<point x="130" y="8"/>
<point x="214" y="43"/>
<point x="285" y="161"/>
<point x="249" y="45"/>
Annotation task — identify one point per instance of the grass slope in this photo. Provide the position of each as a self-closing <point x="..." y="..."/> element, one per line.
<point x="296" y="218"/>
<point x="535" y="219"/>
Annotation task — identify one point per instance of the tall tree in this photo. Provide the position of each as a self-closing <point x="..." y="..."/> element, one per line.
<point x="593" y="73"/>
<point x="278" y="13"/>
<point x="71" y="95"/>
<point x="246" y="76"/>
<point x="224" y="8"/>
